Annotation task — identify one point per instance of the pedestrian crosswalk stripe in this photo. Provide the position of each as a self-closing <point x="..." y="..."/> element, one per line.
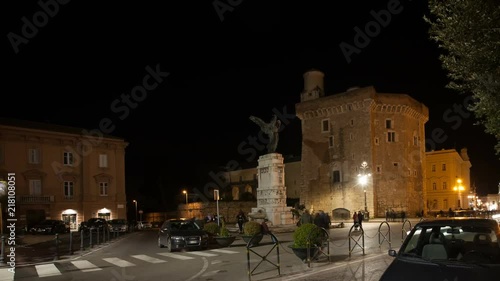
<point x="148" y="259"/>
<point x="6" y="275"/>
<point x="224" y="251"/>
<point x="175" y="256"/>
<point x="85" y="266"/>
<point x="119" y="262"/>
<point x="203" y="254"/>
<point x="45" y="270"/>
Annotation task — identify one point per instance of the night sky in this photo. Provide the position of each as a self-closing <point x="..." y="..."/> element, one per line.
<point x="213" y="70"/>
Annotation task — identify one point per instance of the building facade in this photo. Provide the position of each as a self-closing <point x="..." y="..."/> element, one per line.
<point x="63" y="172"/>
<point x="340" y="132"/>
<point x="448" y="180"/>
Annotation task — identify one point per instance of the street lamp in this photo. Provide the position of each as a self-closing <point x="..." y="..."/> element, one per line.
<point x="185" y="192"/>
<point x="216" y="197"/>
<point x="363" y="180"/>
<point x="459" y="187"/>
<point x="135" y="202"/>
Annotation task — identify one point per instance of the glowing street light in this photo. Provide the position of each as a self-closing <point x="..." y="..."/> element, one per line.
<point x="216" y="196"/>
<point x="135" y="202"/>
<point x="185" y="192"/>
<point x="459" y="187"/>
<point x="363" y="180"/>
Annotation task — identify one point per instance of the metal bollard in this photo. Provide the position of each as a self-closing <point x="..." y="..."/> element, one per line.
<point x="70" y="242"/>
<point x="81" y="241"/>
<point x="97" y="237"/>
<point x="90" y="231"/>
<point x="57" y="247"/>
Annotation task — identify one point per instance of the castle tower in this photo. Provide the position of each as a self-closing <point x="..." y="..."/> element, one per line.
<point x="313" y="85"/>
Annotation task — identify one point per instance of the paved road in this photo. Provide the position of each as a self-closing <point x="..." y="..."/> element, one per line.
<point x="137" y="257"/>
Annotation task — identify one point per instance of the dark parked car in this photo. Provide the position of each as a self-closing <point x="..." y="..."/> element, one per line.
<point x="118" y="225"/>
<point x="448" y="249"/>
<point x="50" y="227"/>
<point x="176" y="234"/>
<point x="94" y="223"/>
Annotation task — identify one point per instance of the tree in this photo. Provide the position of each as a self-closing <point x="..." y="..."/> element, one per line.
<point x="469" y="33"/>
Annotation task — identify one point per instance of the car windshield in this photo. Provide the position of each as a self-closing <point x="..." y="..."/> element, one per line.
<point x="183" y="225"/>
<point x="117" y="221"/>
<point x="454" y="241"/>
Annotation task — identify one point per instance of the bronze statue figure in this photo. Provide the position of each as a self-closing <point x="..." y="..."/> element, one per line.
<point x="271" y="129"/>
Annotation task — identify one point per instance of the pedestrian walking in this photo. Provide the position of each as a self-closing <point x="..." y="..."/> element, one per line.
<point x="241" y="219"/>
<point x="361" y="217"/>
<point x="305" y="218"/>
<point x="355" y="219"/>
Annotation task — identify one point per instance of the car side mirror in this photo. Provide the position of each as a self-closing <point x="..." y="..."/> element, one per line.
<point x="392" y="253"/>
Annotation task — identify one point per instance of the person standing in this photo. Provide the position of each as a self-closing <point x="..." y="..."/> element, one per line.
<point x="241" y="219"/>
<point x="305" y="218"/>
<point x="355" y="219"/>
<point x="361" y="217"/>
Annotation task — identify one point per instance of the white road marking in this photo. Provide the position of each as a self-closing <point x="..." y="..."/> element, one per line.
<point x="119" y="262"/>
<point x="205" y="266"/>
<point x="210" y="273"/>
<point x="175" y="256"/>
<point x="224" y="251"/>
<point x="203" y="254"/>
<point x="46" y="270"/>
<point x="85" y="266"/>
<point x="148" y="259"/>
<point x="6" y="275"/>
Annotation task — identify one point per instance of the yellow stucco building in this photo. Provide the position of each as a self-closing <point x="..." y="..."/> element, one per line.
<point x="62" y="172"/>
<point x="448" y="180"/>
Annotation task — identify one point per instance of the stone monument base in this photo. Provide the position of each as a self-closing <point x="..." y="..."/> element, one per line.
<point x="274" y="215"/>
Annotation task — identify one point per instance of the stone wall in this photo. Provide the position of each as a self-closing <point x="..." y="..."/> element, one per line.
<point x="228" y="209"/>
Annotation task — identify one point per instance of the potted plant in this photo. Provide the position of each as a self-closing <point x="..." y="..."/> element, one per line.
<point x="212" y="229"/>
<point x="306" y="236"/>
<point x="224" y="238"/>
<point x="251" y="229"/>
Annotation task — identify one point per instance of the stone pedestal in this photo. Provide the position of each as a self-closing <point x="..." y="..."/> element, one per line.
<point x="271" y="192"/>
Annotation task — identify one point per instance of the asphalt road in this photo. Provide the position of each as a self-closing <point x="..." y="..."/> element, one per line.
<point x="136" y="256"/>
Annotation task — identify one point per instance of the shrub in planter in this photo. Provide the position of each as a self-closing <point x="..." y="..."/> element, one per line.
<point x="307" y="231"/>
<point x="223" y="232"/>
<point x="212" y="228"/>
<point x="251" y="228"/>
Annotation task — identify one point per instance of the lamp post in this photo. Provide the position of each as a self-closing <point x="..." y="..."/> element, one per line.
<point x="185" y="192"/>
<point x="459" y="187"/>
<point x="216" y="197"/>
<point x="135" y="202"/>
<point x="363" y="180"/>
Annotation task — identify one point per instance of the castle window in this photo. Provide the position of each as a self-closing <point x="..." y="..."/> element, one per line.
<point x="336" y="176"/>
<point x="103" y="189"/>
<point x="445" y="204"/>
<point x="415" y="173"/>
<point x="352" y="122"/>
<point x="349" y="107"/>
<point x="325" y="126"/>
<point x="445" y="186"/>
<point x="396" y="164"/>
<point x="35" y="187"/>
<point x="443" y="167"/>
<point x="391" y="136"/>
<point x="389" y="124"/>
<point x="415" y="140"/>
<point x="433" y="167"/>
<point x="434" y="186"/>
<point x="379" y="169"/>
<point x="351" y="137"/>
<point x="331" y="141"/>
<point x="376" y="141"/>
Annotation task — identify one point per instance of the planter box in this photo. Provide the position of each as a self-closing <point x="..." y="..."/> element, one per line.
<point x="225" y="241"/>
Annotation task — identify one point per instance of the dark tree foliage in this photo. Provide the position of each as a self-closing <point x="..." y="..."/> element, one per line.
<point x="468" y="32"/>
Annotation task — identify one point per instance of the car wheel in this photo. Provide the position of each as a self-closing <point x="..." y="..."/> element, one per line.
<point x="169" y="245"/>
<point x="159" y="242"/>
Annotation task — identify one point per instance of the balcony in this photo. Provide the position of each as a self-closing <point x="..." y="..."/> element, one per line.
<point x="36" y="199"/>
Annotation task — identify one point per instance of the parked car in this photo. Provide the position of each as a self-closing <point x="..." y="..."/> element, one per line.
<point x="144" y="225"/>
<point x="94" y="223"/>
<point x="176" y="234"/>
<point x="448" y="249"/>
<point x="118" y="225"/>
<point x="50" y="227"/>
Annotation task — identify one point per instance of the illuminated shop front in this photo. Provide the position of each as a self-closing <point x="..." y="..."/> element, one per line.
<point x="104" y="213"/>
<point x="69" y="216"/>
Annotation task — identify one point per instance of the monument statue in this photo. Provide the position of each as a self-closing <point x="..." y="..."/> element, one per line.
<point x="271" y="129"/>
